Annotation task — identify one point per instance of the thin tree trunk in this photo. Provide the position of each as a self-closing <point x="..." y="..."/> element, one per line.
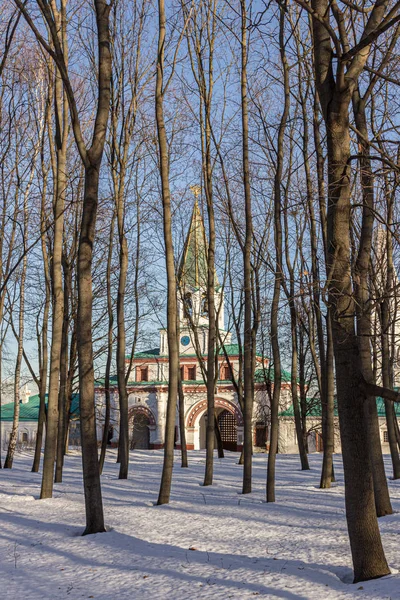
<point x="327" y="475"/>
<point x="60" y="179"/>
<point x="295" y="398"/>
<point x="182" y="430"/>
<point x="220" y="445"/>
<point x="107" y="414"/>
<point x="389" y="409"/>
<point x="385" y="323"/>
<point x="210" y="434"/>
<point x="17" y="375"/>
<point x="72" y="361"/>
<point x="173" y="349"/>
<point x="278" y="269"/>
<point x="45" y="325"/>
<point x="62" y="398"/>
<point x="248" y="374"/>
<point x="121" y="346"/>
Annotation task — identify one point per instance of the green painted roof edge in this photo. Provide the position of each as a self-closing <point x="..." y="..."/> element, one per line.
<point x="30" y="410"/>
<point x="315" y="409"/>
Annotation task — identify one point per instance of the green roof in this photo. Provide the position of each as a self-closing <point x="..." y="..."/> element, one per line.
<point x="314" y="408"/>
<point x="262" y="375"/>
<point x="100" y="382"/>
<point x="147" y="353"/>
<point x="234" y="350"/>
<point x="30" y="410"/>
<point x="230" y="349"/>
<point x="380" y="405"/>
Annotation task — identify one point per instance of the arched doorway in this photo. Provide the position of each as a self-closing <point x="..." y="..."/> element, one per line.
<point x="229" y="420"/>
<point x="140" y="432"/>
<point x="140" y="422"/>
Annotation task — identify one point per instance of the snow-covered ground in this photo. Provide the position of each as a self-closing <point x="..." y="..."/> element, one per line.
<point x="208" y="543"/>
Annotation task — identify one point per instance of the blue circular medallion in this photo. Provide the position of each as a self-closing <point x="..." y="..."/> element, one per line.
<point x="185" y="340"/>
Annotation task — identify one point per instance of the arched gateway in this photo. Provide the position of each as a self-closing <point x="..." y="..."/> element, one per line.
<point x="230" y="422"/>
<point x="141" y="419"/>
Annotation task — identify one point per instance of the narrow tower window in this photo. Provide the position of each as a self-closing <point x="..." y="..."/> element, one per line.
<point x="204" y="305"/>
<point x="188" y="304"/>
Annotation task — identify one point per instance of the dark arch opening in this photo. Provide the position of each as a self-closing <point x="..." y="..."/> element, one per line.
<point x="140" y="432"/>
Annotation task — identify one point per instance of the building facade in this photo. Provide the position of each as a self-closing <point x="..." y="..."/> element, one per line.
<point x="148" y="382"/>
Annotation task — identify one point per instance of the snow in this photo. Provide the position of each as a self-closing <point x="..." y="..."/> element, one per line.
<point x="207" y="543"/>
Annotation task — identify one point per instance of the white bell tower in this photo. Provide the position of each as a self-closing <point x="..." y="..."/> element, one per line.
<point x="192" y="289"/>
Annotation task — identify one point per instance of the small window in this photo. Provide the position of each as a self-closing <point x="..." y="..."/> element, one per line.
<point x="191" y="371"/>
<point x="226" y="374"/>
<point x="143" y="374"/>
<point x="385" y="437"/>
<point x="25" y="437"/>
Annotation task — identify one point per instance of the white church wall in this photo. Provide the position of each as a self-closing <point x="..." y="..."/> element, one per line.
<point x="26" y="434"/>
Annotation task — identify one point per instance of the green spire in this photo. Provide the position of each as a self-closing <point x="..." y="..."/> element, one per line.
<point x="193" y="267"/>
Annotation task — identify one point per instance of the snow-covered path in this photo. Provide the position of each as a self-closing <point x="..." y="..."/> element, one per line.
<point x="208" y="543"/>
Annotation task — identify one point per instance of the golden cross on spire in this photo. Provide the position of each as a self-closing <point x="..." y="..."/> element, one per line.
<point x="196" y="190"/>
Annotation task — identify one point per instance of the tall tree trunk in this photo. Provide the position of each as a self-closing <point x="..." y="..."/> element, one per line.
<point x="43" y="342"/>
<point x="278" y="268"/>
<point x="363" y="307"/>
<point x="91" y="472"/>
<point x="121" y="345"/>
<point x="335" y="95"/>
<point x="91" y="159"/>
<point x="173" y="348"/>
<point x="17" y="374"/>
<point x="248" y="374"/>
<point x="368" y="557"/>
<point x="212" y="338"/>
<point x="59" y="166"/>
<point x="327" y="386"/>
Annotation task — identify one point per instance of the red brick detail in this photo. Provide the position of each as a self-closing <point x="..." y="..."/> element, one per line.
<point x="157" y="446"/>
<point x="142" y="410"/>
<point x="219" y="403"/>
<point x="189" y="446"/>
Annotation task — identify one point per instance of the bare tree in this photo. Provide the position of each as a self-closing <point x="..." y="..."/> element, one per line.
<point x="338" y="65"/>
<point x="172" y="306"/>
<point x="278" y="266"/>
<point x="91" y="156"/>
